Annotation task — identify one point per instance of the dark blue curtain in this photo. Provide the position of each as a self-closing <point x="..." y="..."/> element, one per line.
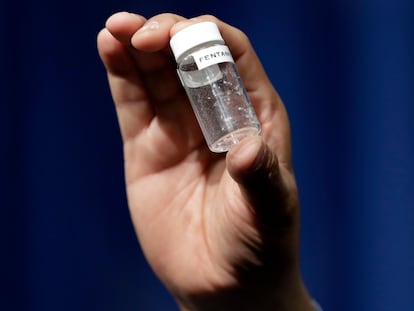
<point x="345" y="70"/>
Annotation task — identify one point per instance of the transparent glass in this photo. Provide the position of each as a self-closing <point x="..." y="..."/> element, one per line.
<point x="220" y="103"/>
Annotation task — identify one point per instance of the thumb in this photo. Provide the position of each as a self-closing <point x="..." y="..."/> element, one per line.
<point x="269" y="188"/>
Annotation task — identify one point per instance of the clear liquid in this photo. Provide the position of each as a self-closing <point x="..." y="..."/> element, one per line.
<point x="220" y="103"/>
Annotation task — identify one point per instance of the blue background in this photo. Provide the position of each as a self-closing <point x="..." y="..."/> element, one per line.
<point x="345" y="70"/>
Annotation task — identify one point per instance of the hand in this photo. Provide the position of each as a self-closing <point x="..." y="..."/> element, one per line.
<point x="219" y="230"/>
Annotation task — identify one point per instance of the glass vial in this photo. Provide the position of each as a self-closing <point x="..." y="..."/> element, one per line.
<point x="209" y="76"/>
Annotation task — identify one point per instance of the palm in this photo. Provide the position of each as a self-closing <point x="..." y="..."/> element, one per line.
<point x="182" y="199"/>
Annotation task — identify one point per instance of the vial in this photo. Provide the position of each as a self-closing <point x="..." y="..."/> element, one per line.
<point x="210" y="78"/>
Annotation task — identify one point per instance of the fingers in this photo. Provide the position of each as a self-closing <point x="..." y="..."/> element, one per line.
<point x="140" y="72"/>
<point x="123" y="25"/>
<point x="150" y="35"/>
<point x="140" y="68"/>
<point x="134" y="112"/>
<point x="267" y="186"/>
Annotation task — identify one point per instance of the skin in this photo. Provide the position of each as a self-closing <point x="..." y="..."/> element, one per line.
<point x="219" y="230"/>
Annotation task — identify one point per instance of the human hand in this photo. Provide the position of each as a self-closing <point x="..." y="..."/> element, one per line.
<point x="219" y="230"/>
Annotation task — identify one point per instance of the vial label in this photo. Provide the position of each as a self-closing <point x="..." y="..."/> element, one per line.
<point x="212" y="55"/>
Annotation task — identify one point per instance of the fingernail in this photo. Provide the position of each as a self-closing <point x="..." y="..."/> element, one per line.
<point x="149" y="26"/>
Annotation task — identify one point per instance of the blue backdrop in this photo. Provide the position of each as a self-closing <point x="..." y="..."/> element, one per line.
<point x="345" y="70"/>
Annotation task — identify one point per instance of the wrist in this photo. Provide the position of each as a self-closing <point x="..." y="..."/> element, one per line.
<point x="290" y="297"/>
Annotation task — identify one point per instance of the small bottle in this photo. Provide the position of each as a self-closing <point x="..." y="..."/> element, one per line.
<point x="210" y="78"/>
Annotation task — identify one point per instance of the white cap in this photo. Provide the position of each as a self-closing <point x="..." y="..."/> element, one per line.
<point x="194" y="35"/>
